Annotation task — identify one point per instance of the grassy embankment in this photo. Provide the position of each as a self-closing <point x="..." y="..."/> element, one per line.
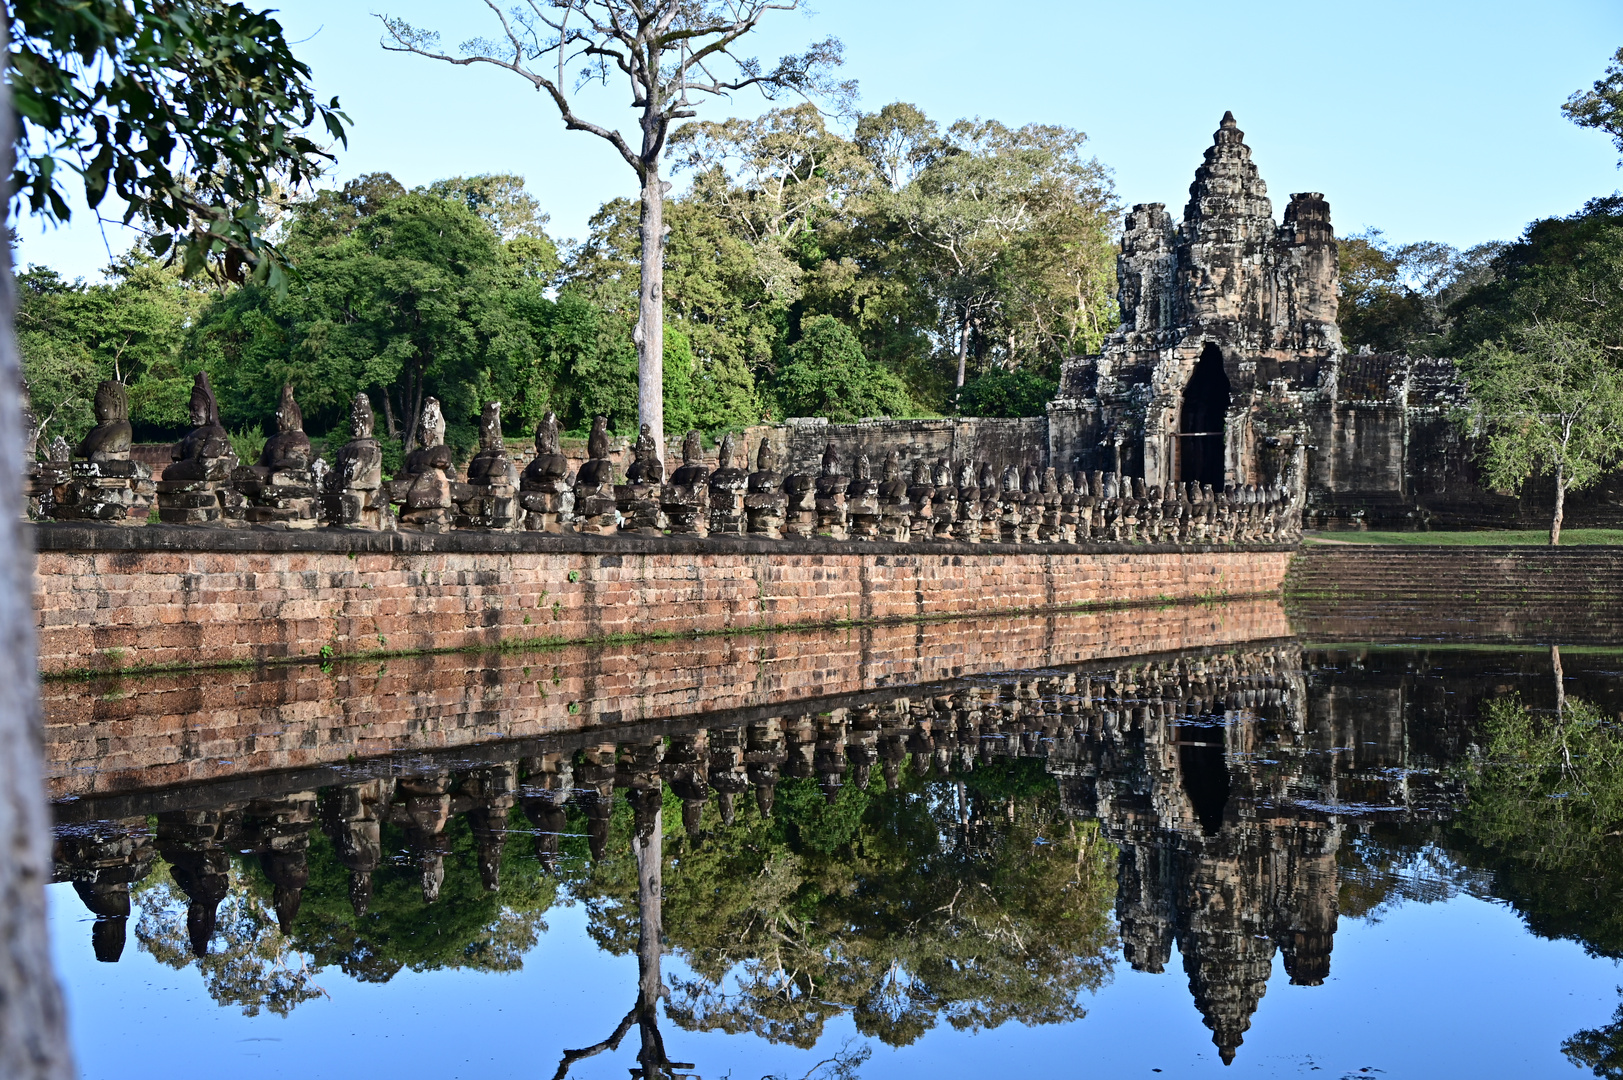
<point x="1482" y="538"/>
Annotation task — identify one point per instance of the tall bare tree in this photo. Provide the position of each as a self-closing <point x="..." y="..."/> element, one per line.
<point x="33" y="1029"/>
<point x="674" y="54"/>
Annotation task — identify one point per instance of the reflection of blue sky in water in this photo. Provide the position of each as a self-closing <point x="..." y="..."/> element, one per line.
<point x="1454" y="988"/>
<point x="1345" y="783"/>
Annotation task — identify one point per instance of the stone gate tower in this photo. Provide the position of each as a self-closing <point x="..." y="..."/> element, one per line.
<point x="1228" y="329"/>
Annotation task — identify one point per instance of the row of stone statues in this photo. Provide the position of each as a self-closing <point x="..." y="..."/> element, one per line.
<point x="928" y="501"/>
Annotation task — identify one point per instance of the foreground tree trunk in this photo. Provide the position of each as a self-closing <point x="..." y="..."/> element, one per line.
<point x="33" y="1028"/>
<point x="650" y="334"/>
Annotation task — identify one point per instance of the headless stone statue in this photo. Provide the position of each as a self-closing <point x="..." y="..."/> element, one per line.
<point x="197" y="488"/>
<point x="489" y="499"/>
<point x="1048" y="529"/>
<point x="921" y="497"/>
<point x="547" y="498"/>
<point x="104" y="485"/>
<point x="894" y="522"/>
<point x="424" y="486"/>
<point x="594" y="484"/>
<point x="991" y="504"/>
<point x="831" y="488"/>
<point x="862" y="501"/>
<point x="766" y="504"/>
<point x="800" y="505"/>
<point x="1012" y="507"/>
<point x="966" y="521"/>
<point x="281" y="489"/>
<point x="728" y="485"/>
<point x="944" y="505"/>
<point x="355" y="496"/>
<point x="638" y="499"/>
<point x="686" y="498"/>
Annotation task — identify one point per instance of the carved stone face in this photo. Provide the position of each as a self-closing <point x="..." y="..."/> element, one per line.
<point x="360" y="417"/>
<point x="921" y="472"/>
<point x="864" y="468"/>
<point x="893" y="466"/>
<point x="597" y="444"/>
<point x="692" y="449"/>
<point x="431" y="428"/>
<point x="546" y="436"/>
<point x="288" y="416"/>
<point x="112" y="402"/>
<point x="198" y="407"/>
<point x="728" y="449"/>
<point x="942" y="474"/>
<point x="490" y="426"/>
<point x="765" y="459"/>
<point x="646" y="452"/>
<point x="831" y="461"/>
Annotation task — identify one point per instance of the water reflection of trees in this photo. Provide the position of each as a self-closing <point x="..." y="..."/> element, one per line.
<point x="1545" y="815"/>
<point x="944" y="899"/>
<point x="935" y="859"/>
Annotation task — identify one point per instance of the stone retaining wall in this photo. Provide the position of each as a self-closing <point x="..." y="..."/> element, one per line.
<point x="111" y="597"/>
<point x="130" y="733"/>
<point x="1511" y="594"/>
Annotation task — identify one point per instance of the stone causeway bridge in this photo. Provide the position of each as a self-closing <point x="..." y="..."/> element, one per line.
<point x="289" y="559"/>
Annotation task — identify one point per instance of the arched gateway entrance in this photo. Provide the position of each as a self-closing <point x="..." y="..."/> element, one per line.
<point x="1200" y="426"/>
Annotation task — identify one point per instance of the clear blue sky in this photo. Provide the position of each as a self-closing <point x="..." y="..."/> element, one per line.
<point x="1431" y="119"/>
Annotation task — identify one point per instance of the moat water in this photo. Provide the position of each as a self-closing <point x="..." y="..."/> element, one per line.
<point x="1299" y="856"/>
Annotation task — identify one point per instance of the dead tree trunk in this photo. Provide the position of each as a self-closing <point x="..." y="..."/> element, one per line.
<point x="650" y="334"/>
<point x="1560" y="506"/>
<point x="33" y="1028"/>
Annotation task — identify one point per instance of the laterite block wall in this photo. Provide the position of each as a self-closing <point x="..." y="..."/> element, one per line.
<point x="116" y="597"/>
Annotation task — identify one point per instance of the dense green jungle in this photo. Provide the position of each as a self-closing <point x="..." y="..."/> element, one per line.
<point x="810" y="271"/>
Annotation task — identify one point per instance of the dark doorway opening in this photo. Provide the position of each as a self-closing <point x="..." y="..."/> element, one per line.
<point x="1205" y="774"/>
<point x="1200" y="429"/>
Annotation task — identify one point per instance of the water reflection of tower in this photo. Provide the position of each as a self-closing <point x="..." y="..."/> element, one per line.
<point x="1197" y="769"/>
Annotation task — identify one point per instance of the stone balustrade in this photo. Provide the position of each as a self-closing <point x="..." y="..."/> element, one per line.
<point x="918" y="501"/>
